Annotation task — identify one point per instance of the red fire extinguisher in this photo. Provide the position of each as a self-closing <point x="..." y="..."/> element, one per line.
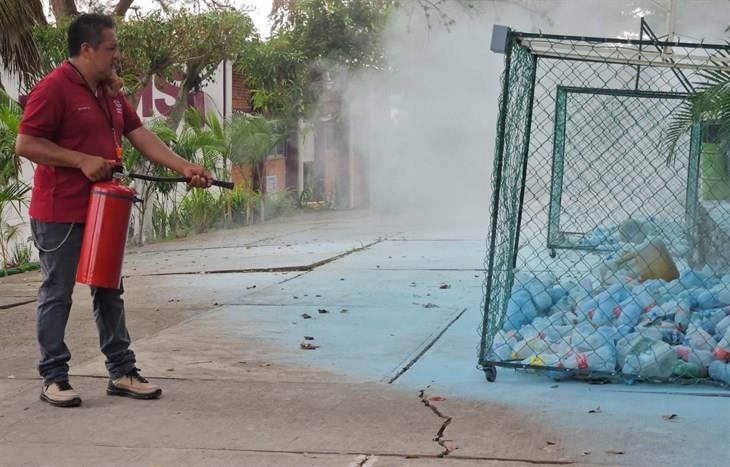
<point x="107" y="224"/>
<point x="105" y="234"/>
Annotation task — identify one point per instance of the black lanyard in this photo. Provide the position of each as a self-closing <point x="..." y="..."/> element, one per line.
<point x="107" y="113"/>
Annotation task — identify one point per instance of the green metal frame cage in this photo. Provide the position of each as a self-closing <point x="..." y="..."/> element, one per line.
<point x="580" y="160"/>
<point x="627" y="108"/>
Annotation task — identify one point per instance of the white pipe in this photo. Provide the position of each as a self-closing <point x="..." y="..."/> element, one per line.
<point x="671" y="19"/>
<point x="660" y="5"/>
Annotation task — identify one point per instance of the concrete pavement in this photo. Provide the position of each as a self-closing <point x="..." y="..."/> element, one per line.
<point x="394" y="313"/>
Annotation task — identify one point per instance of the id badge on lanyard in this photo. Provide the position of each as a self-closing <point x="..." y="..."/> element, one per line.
<point x="117" y="140"/>
<point x="117" y="146"/>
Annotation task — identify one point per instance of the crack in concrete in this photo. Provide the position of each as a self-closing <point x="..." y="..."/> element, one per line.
<point x="415" y="359"/>
<point x="254" y="244"/>
<point x="359" y="461"/>
<point x="13" y="305"/>
<point x="449" y="446"/>
<point x="439" y="439"/>
<point x="321" y="452"/>
<point x="304" y="268"/>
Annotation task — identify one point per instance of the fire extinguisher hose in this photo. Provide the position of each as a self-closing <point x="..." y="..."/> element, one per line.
<point x="152" y="178"/>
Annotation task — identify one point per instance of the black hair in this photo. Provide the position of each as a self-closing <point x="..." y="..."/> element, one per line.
<point x="88" y="27"/>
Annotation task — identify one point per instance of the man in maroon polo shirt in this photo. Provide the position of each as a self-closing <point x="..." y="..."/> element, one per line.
<point x="72" y="127"/>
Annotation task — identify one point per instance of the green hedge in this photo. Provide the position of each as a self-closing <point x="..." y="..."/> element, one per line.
<point x="22" y="268"/>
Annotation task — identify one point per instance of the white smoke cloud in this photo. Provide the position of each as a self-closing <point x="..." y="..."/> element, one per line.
<point x="427" y="123"/>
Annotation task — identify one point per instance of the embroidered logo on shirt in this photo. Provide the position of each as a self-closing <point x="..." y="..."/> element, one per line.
<point x="83" y="108"/>
<point x="118" y="105"/>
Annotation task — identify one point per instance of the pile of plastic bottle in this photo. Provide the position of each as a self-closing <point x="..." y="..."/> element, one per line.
<point x="645" y="329"/>
<point x="633" y="231"/>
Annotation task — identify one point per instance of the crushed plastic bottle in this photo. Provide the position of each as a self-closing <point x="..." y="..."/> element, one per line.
<point x="548" y="359"/>
<point x="533" y="343"/>
<point x="557" y="293"/>
<point x="707" y="299"/>
<point x="520" y="310"/>
<point x="630" y="313"/>
<point x="723" y="325"/>
<point x="688" y="370"/>
<point x="585" y="308"/>
<point x="722" y="349"/>
<point x="649" y="358"/>
<point x="690" y="278"/>
<point x="504" y="344"/>
<point x="699" y="339"/>
<point x="720" y="371"/>
<point x="698" y="357"/>
<point x="601" y="359"/>
<point x="681" y="309"/>
<point x="605" y="310"/>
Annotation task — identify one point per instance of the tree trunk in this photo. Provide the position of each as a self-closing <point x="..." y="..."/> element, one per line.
<point x="178" y="110"/>
<point x="144" y="218"/>
<point x="145" y="228"/>
<point x="262" y="188"/>
<point x="181" y="103"/>
<point x="63" y="8"/>
<point x="148" y="229"/>
<point x="122" y="7"/>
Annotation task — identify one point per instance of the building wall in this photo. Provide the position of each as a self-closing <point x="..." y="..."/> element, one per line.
<point x="275" y="168"/>
<point x="332" y="164"/>
<point x="241" y="95"/>
<point x="156" y="100"/>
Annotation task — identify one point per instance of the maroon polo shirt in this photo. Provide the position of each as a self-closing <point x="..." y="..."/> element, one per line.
<point x="62" y="109"/>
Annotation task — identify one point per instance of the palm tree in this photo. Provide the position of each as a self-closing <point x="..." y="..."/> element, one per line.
<point x="13" y="191"/>
<point x="18" y="50"/>
<point x="10" y="113"/>
<point x="250" y="140"/>
<point x="710" y="104"/>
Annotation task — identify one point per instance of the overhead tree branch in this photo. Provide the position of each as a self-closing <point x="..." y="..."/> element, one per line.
<point x="122" y="7"/>
<point x="63" y="8"/>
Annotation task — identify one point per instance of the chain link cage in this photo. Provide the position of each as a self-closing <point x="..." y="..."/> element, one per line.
<point x="609" y="245"/>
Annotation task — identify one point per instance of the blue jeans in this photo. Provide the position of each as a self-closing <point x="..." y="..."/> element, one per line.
<point x="58" y="266"/>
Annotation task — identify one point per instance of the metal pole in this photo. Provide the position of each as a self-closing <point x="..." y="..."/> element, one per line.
<point x="677" y="72"/>
<point x="525" y="157"/>
<point x="498" y="166"/>
<point x="671" y="20"/>
<point x="638" y="67"/>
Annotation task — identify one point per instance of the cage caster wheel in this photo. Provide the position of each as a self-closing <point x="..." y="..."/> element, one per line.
<point x="490" y="373"/>
<point x="553" y="253"/>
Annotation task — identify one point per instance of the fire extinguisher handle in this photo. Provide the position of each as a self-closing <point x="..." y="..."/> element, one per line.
<point x="220" y="183"/>
<point x="223" y="184"/>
